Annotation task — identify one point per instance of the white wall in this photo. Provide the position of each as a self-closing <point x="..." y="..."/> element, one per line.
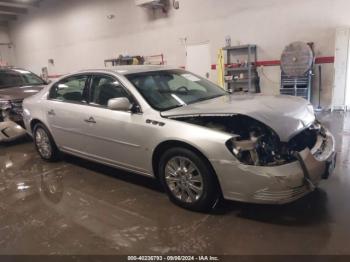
<point x="78" y="35"/>
<point x="6" y="51"/>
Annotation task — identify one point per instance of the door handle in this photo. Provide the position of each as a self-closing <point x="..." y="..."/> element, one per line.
<point x="51" y="112"/>
<point x="91" y="120"/>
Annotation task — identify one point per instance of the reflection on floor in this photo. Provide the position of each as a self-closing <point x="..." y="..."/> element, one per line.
<point x="78" y="207"/>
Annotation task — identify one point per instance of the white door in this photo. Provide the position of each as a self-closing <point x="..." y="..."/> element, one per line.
<point x="67" y="112"/>
<point x="347" y="91"/>
<point x="198" y="59"/>
<point x="341" y="68"/>
<point x="116" y="137"/>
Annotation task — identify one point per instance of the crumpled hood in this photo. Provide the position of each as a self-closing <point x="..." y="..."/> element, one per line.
<point x="286" y="115"/>
<point x="19" y="93"/>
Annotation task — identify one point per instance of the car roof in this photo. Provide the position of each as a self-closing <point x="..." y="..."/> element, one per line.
<point x="132" y="69"/>
<point x="4" y="69"/>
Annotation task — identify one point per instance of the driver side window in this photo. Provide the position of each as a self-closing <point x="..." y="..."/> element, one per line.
<point x="104" y="88"/>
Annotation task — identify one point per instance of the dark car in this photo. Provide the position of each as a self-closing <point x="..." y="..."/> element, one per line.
<point x="15" y="85"/>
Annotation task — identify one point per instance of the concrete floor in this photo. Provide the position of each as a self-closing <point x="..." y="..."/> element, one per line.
<point x="78" y="207"/>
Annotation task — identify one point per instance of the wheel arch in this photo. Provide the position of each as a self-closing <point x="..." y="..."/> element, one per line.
<point x="35" y="122"/>
<point x="165" y="145"/>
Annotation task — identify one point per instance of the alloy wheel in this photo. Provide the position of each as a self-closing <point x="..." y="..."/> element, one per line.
<point x="43" y="143"/>
<point x="184" y="179"/>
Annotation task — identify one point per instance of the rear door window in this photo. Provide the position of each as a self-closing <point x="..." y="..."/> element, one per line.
<point x="72" y="89"/>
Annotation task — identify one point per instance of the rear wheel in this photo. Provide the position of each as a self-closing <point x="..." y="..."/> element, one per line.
<point x="45" y="144"/>
<point x="188" y="179"/>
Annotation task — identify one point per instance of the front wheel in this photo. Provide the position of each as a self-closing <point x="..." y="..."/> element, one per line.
<point x="188" y="179"/>
<point x="45" y="144"/>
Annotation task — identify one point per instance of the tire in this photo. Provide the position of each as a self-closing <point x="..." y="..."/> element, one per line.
<point x="44" y="144"/>
<point x="194" y="187"/>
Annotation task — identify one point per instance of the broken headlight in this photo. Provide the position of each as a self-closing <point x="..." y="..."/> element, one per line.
<point x="263" y="150"/>
<point x="244" y="150"/>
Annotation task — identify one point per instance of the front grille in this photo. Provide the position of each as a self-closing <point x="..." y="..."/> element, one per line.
<point x="280" y="196"/>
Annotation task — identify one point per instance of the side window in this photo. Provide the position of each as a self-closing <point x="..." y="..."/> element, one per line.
<point x="9" y="79"/>
<point x="71" y="89"/>
<point x="104" y="88"/>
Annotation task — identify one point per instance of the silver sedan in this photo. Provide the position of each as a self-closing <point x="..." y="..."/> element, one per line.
<point x="199" y="141"/>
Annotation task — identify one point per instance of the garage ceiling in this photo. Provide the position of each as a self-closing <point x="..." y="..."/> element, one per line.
<point x="11" y="9"/>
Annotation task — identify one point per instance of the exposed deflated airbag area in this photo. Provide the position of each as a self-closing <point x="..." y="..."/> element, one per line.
<point x="253" y="142"/>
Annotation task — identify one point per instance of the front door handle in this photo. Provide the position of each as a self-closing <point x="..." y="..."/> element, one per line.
<point x="91" y="120"/>
<point x="51" y="112"/>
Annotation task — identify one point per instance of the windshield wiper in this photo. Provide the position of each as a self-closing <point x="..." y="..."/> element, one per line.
<point x="173" y="107"/>
<point x="206" y="98"/>
<point x="35" y="84"/>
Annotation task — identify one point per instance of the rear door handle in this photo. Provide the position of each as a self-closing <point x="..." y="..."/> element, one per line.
<point x="51" y="112"/>
<point x="91" y="120"/>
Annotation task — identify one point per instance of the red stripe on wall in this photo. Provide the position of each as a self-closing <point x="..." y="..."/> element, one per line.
<point x="325" y="60"/>
<point x="268" y="63"/>
<point x="319" y="60"/>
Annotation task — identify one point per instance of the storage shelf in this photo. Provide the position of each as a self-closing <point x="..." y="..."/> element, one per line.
<point x="246" y="58"/>
<point x="242" y="81"/>
<point x="240" y="47"/>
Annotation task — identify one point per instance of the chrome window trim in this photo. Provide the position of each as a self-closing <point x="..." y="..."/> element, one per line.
<point x="88" y="85"/>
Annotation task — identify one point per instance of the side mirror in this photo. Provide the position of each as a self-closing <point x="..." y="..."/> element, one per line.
<point x="48" y="82"/>
<point x="119" y="104"/>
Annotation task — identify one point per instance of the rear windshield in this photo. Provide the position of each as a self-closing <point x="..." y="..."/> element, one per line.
<point x="13" y="78"/>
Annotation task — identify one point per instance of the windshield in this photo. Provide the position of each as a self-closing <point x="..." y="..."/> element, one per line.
<point x="13" y="78"/>
<point x="168" y="89"/>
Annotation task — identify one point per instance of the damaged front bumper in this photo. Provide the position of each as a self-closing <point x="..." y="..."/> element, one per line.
<point x="278" y="184"/>
<point x="11" y="131"/>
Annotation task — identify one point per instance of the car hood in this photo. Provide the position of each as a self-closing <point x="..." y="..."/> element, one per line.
<point x="19" y="93"/>
<point x="286" y="115"/>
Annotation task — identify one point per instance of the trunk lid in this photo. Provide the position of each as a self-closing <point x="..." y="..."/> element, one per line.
<point x="19" y="93"/>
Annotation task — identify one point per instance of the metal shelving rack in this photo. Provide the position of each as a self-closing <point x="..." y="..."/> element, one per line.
<point x="250" y="81"/>
<point x="297" y="63"/>
<point x="297" y="86"/>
